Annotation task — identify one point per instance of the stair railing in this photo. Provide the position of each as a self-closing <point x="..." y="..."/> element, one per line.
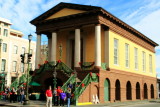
<point x="65" y="86"/>
<point x="65" y="68"/>
<point x="78" y="91"/>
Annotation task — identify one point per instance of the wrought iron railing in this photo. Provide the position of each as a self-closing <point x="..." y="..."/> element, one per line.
<point x="78" y="91"/>
<point x="65" y="68"/>
<point x="15" y="84"/>
<point x="91" y="77"/>
<point x="70" y="80"/>
<point x="19" y="81"/>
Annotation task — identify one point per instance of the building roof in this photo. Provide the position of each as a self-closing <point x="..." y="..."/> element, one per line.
<point x="5" y="21"/>
<point x="16" y="32"/>
<point x="89" y="9"/>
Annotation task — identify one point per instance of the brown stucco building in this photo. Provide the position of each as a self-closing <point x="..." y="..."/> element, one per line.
<point x="124" y="58"/>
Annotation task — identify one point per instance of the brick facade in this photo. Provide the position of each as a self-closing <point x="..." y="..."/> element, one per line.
<point x="113" y="75"/>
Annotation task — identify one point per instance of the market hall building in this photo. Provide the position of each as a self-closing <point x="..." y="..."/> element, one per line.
<point x="97" y="45"/>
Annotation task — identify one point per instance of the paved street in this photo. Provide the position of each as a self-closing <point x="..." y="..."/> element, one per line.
<point x="146" y="103"/>
<point x="141" y="105"/>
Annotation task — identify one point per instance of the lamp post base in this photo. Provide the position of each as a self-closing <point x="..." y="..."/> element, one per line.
<point x="26" y="102"/>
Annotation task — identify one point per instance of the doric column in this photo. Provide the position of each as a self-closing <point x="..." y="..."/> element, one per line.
<point x="98" y="45"/>
<point x="53" y="47"/>
<point x="38" y="50"/>
<point x="49" y="48"/>
<point x="77" y="48"/>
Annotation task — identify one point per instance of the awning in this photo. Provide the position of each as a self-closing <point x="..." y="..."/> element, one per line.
<point x="33" y="83"/>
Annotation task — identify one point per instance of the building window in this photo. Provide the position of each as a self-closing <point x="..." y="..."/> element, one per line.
<point x="15" y="51"/>
<point x="127" y="55"/>
<point x="4" y="47"/>
<point x="150" y="63"/>
<point x="5" y="33"/>
<point x="14" y="66"/>
<point x="22" y="67"/>
<point x="136" y="58"/>
<point x="5" y="24"/>
<point x="144" y="61"/>
<point x="23" y="50"/>
<point x="3" y="65"/>
<point x="116" y="51"/>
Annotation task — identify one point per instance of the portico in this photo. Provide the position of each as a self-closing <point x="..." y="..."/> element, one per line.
<point x="53" y="26"/>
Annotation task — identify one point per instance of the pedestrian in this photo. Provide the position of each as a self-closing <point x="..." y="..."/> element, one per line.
<point x="70" y="85"/>
<point x="18" y="94"/>
<point x="59" y="90"/>
<point x="6" y="91"/>
<point x="49" y="97"/>
<point x="68" y="94"/>
<point x="62" y="98"/>
<point x="22" y="94"/>
<point x="55" y="97"/>
<point x="12" y="94"/>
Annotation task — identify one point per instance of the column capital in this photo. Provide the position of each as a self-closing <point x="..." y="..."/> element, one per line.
<point x="55" y="31"/>
<point x="78" y="27"/>
<point x="38" y="33"/>
<point x="97" y="24"/>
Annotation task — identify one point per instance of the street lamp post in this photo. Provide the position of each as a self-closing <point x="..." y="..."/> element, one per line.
<point x="55" y="75"/>
<point x="27" y="74"/>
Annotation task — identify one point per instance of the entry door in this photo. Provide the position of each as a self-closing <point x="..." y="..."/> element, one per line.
<point x="106" y="90"/>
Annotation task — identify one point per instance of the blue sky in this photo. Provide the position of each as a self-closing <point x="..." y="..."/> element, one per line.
<point x="143" y="15"/>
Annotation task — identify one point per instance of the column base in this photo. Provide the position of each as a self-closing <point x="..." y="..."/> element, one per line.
<point x="97" y="67"/>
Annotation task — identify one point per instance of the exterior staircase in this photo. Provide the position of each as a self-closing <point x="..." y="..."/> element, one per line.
<point x="79" y="79"/>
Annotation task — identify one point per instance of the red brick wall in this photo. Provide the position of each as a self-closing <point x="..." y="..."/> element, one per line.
<point x="123" y="77"/>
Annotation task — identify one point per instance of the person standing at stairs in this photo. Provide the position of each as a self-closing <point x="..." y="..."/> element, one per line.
<point x="62" y="98"/>
<point x="55" y="97"/>
<point x="59" y="90"/>
<point x="68" y="97"/>
<point x="70" y="85"/>
<point x="49" y="97"/>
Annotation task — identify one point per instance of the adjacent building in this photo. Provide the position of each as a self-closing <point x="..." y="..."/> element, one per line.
<point x="123" y="58"/>
<point x="13" y="45"/>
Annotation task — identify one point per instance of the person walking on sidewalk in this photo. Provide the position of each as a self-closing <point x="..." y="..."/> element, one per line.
<point x="49" y="97"/>
<point x="22" y="94"/>
<point x="68" y="97"/>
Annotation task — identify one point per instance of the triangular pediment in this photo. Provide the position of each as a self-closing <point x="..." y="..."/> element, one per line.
<point x="65" y="12"/>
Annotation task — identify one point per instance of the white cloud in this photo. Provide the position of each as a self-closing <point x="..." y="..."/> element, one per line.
<point x="150" y="25"/>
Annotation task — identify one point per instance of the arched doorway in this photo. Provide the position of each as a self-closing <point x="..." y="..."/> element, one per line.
<point x="152" y="91"/>
<point x="117" y="90"/>
<point x="128" y="91"/>
<point x="49" y="82"/>
<point x="137" y="91"/>
<point x="145" y="91"/>
<point x="106" y="90"/>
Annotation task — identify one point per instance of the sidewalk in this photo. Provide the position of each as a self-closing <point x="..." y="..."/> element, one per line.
<point x="34" y="103"/>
